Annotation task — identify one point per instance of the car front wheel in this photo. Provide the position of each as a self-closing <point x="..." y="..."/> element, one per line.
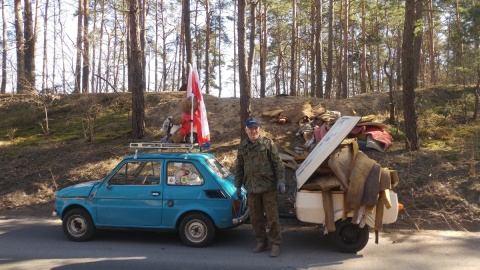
<point x="78" y="225"/>
<point x="349" y="237"/>
<point x="197" y="230"/>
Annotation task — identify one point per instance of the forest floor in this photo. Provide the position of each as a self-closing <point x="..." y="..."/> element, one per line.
<point x="439" y="184"/>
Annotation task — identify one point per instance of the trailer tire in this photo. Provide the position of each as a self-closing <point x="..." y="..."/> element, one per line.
<point x="349" y="237"/>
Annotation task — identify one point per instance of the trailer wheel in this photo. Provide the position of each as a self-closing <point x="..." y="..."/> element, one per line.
<point x="349" y="237"/>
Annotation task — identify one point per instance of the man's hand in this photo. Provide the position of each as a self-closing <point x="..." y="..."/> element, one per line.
<point x="239" y="193"/>
<point x="281" y="188"/>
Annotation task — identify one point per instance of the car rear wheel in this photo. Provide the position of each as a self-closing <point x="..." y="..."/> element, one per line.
<point x="349" y="237"/>
<point x="197" y="230"/>
<point x="78" y="225"/>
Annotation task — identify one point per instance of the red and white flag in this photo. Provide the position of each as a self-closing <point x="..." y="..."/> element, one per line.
<point x="200" y="115"/>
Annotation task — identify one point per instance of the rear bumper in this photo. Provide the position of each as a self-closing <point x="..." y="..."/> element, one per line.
<point x="241" y="219"/>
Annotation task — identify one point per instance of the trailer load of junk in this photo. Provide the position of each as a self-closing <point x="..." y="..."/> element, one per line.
<point x="334" y="173"/>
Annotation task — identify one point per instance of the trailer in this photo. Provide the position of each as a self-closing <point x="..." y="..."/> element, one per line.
<point x="347" y="223"/>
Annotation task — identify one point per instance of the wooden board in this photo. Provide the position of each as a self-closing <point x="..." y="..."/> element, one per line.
<point x="325" y="147"/>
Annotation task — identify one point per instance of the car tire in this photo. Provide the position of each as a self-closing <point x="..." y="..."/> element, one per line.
<point x="78" y="225"/>
<point x="197" y="230"/>
<point x="349" y="237"/>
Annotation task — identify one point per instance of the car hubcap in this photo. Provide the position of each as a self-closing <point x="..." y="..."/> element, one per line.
<point x="77" y="226"/>
<point x="196" y="231"/>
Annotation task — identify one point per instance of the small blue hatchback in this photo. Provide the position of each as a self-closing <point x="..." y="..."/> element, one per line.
<point x="192" y="193"/>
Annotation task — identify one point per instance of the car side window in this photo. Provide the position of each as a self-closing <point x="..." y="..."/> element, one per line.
<point x="183" y="174"/>
<point x="137" y="173"/>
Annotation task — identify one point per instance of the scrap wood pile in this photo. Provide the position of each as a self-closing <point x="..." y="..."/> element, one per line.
<point x="348" y="169"/>
<point x="315" y="123"/>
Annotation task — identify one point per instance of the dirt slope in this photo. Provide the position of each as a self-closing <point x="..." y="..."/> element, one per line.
<point x="437" y="187"/>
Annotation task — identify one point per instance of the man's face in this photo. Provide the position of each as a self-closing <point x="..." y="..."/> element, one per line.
<point x="253" y="133"/>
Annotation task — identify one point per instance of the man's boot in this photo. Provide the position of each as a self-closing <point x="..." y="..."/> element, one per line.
<point x="261" y="246"/>
<point x="275" y="251"/>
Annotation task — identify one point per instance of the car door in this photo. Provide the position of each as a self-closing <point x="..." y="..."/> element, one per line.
<point x="184" y="190"/>
<point x="132" y="197"/>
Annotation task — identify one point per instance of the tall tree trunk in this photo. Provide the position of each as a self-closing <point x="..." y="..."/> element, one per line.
<point x="476" y="95"/>
<point x="398" y="56"/>
<point x="78" y="64"/>
<point x="176" y="54"/>
<point x="431" y="47"/>
<point x="207" y="47"/>
<point x="418" y="39"/>
<point x="3" y="87"/>
<point x="86" y="48"/>
<point x="313" y="47"/>
<point x="245" y="93"/>
<point x="408" y="71"/>
<point x="388" y="69"/>
<point x="235" y="7"/>
<point x="111" y="62"/>
<point x="220" y="51"/>
<point x="339" y="62"/>
<point x="345" y="51"/>
<point x="100" y="50"/>
<point x="181" y="48"/>
<point x="164" y="45"/>
<point x="329" y="78"/>
<point x="44" y="61"/>
<point x="122" y="58"/>
<point x="136" y="71"/>
<point x="319" y="50"/>
<point x="188" y="36"/>
<point x="62" y="48"/>
<point x="142" y="17"/>
<point x="253" y="27"/>
<point x="391" y="98"/>
<point x="458" y="46"/>
<point x="95" y="45"/>
<point x="263" y="52"/>
<point x="30" y="43"/>
<point x="156" y="47"/>
<point x="115" y="49"/>
<point x="293" y="55"/>
<point x="363" y="57"/>
<point x="19" y="37"/>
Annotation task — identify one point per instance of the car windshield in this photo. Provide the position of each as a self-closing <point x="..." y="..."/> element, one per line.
<point x="218" y="168"/>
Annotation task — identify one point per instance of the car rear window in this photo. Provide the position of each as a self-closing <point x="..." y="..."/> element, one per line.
<point x="218" y="168"/>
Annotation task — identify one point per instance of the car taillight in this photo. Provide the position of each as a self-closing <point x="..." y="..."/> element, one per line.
<point x="236" y="207"/>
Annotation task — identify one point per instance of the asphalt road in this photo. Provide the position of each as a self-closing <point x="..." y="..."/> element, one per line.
<point x="39" y="243"/>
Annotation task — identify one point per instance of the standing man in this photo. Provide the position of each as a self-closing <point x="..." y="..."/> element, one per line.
<point x="260" y="169"/>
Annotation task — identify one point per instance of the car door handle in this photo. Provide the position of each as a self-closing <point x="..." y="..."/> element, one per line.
<point x="155" y="193"/>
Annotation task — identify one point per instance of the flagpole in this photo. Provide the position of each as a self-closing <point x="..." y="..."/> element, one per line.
<point x="191" y="107"/>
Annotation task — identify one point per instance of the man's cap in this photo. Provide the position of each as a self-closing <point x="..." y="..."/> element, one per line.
<point x="252" y="122"/>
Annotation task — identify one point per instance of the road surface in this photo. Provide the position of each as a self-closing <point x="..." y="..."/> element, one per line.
<point x="39" y="243"/>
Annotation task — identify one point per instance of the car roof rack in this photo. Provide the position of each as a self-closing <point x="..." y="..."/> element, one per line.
<point x="159" y="145"/>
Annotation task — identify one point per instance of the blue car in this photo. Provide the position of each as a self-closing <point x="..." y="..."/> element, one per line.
<point x="191" y="193"/>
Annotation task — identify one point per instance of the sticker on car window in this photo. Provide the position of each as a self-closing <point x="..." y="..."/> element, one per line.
<point x="171" y="180"/>
<point x="184" y="174"/>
